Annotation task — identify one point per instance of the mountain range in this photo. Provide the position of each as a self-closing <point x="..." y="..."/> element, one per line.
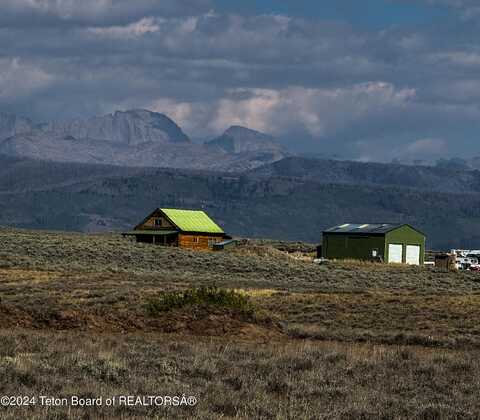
<point x="135" y="138"/>
<point x="105" y="173"/>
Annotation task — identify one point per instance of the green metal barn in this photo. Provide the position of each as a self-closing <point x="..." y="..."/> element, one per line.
<point x="388" y="242"/>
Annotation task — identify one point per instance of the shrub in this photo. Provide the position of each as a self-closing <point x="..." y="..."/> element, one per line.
<point x="205" y="296"/>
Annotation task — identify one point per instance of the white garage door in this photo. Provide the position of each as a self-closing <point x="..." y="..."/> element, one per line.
<point x="413" y="255"/>
<point x="395" y="253"/>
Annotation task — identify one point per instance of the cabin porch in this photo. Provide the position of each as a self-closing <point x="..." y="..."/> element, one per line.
<point x="164" y="238"/>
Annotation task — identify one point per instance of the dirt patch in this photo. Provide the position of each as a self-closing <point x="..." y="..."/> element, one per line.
<point x="185" y="322"/>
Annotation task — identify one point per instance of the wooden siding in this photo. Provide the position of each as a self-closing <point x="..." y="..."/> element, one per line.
<point x="152" y="223"/>
<point x="197" y="241"/>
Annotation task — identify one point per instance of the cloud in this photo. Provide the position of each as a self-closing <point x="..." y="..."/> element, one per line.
<point x="319" y="85"/>
<point x="251" y="108"/>
<point x="193" y="117"/>
<point x="19" y="79"/>
<point x="319" y="113"/>
<point x="436" y="147"/>
<point x="468" y="9"/>
<point x="63" y="8"/>
<point x="96" y="11"/>
<point x="459" y="58"/>
<point x="132" y="30"/>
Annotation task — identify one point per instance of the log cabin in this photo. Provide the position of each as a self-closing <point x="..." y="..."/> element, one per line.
<point x="192" y="229"/>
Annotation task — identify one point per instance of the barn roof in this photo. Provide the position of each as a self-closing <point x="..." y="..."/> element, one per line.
<point x="363" y="228"/>
<point x="192" y="221"/>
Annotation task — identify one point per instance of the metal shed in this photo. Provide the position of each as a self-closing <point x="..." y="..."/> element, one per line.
<point x="387" y="242"/>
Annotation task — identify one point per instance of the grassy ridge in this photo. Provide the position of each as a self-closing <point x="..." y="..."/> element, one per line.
<point x="104" y="281"/>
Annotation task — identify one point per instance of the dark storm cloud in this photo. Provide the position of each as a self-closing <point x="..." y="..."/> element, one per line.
<point x="467" y="10"/>
<point x="57" y="12"/>
<point x="372" y="94"/>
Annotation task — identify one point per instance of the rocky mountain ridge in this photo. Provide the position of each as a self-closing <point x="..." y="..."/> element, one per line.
<point x="134" y="138"/>
<point x="237" y="139"/>
<point x="130" y="128"/>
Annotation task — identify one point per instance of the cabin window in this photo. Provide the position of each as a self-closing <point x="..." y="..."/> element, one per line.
<point x="374" y="253"/>
<point x="158" y="222"/>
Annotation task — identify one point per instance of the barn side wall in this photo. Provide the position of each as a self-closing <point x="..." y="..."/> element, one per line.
<point x="405" y="235"/>
<point x="358" y="247"/>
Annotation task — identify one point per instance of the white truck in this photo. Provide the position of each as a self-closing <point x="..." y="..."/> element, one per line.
<point x="467" y="259"/>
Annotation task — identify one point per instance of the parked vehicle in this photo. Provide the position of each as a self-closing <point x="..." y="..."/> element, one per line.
<point x="467" y="259"/>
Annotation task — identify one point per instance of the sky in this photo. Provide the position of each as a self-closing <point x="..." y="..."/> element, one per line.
<point x="372" y="80"/>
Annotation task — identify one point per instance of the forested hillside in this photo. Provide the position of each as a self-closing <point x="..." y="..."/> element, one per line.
<point x="431" y="178"/>
<point x="99" y="198"/>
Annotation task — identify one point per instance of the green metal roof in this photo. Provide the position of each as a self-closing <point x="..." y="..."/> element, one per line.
<point x="192" y="221"/>
<point x="367" y="228"/>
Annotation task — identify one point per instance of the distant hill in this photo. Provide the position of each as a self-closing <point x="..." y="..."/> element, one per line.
<point x="428" y="178"/>
<point x="97" y="198"/>
<point x="19" y="174"/>
<point x="133" y="138"/>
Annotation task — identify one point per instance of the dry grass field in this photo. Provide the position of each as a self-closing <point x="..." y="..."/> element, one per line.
<point x="344" y="340"/>
<point x="237" y="378"/>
